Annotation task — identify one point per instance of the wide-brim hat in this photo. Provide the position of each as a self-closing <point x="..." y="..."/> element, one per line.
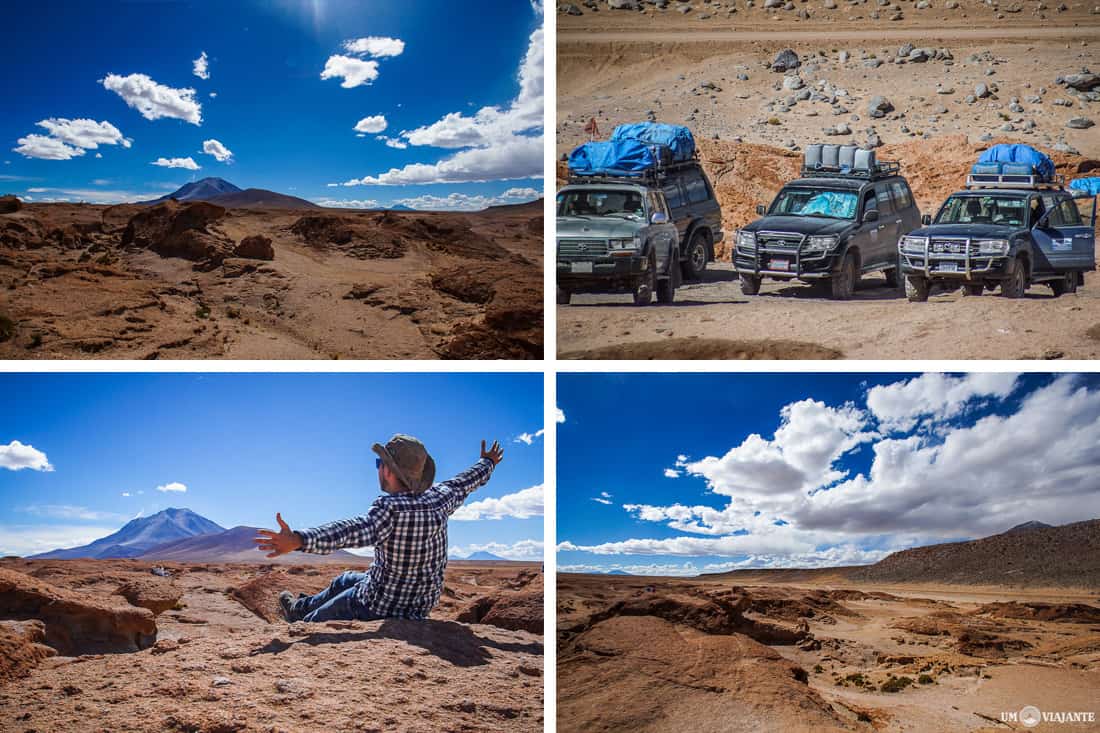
<point x="409" y="460"/>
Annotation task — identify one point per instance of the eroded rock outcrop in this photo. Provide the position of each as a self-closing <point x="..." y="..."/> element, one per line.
<point x="514" y="611"/>
<point x="172" y="229"/>
<point x="156" y="595"/>
<point x="75" y="623"/>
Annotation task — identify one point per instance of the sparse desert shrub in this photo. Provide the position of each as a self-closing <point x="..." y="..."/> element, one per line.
<point x="818" y="669"/>
<point x="925" y="679"/>
<point x="202" y="311"/>
<point x="896" y="684"/>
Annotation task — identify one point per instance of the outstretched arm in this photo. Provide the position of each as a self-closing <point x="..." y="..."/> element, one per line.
<point x="456" y="490"/>
<point x="364" y="531"/>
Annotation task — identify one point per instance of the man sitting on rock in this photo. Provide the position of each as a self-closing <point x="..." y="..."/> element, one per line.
<point x="407" y="528"/>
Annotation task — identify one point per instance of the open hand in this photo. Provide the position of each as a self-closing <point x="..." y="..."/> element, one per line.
<point x="283" y="541"/>
<point x="494" y="454"/>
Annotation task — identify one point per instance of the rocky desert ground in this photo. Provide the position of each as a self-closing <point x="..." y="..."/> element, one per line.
<point x="108" y="645"/>
<point x="822" y="654"/>
<point x="928" y="83"/>
<point x="194" y="280"/>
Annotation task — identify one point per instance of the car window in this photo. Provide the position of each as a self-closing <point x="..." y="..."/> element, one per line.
<point x="997" y="209"/>
<point x="656" y="203"/>
<point x="1065" y="215"/>
<point x="903" y="197"/>
<point x="868" y="203"/>
<point x="672" y="194"/>
<point x="814" y="202"/>
<point x="1085" y="208"/>
<point x="595" y="202"/>
<point x="696" y="189"/>
<point x="885" y="203"/>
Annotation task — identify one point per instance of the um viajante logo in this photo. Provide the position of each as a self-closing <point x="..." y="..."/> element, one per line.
<point x="1030" y="716"/>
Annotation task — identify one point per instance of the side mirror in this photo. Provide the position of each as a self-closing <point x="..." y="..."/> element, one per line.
<point x="870" y="216"/>
<point x="925" y="219"/>
<point x="659" y="217"/>
<point x="760" y="210"/>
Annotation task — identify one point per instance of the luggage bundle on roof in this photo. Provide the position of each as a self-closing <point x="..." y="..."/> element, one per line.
<point x="845" y="160"/>
<point x="1090" y="184"/>
<point x="1010" y="165"/>
<point x="635" y="149"/>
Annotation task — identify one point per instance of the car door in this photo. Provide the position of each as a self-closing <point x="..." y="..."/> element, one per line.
<point x="663" y="236"/>
<point x="885" y="235"/>
<point x="677" y="203"/>
<point x="908" y="215"/>
<point x="1063" y="238"/>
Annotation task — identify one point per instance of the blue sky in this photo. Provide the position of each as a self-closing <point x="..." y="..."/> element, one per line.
<point x="678" y="474"/>
<point x="431" y="103"/>
<point x="82" y="454"/>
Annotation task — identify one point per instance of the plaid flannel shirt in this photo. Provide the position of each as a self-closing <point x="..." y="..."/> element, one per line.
<point x="409" y="536"/>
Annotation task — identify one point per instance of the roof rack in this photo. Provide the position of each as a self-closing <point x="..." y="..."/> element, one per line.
<point x="1009" y="180"/>
<point x="652" y="175"/>
<point x="883" y="169"/>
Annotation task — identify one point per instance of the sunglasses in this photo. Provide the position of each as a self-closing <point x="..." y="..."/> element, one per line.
<point x="378" y="463"/>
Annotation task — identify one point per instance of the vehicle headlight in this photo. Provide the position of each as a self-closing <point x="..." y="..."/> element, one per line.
<point x="913" y="245"/>
<point x="992" y="246"/>
<point x="746" y="239"/>
<point x="632" y="243"/>
<point x="820" y="244"/>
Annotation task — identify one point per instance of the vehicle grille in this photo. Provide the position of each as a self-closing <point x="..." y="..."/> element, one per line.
<point x="951" y="247"/>
<point x="582" y="247"/>
<point x="778" y="240"/>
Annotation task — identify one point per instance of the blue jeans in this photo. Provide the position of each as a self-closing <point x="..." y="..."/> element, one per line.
<point x="340" y="601"/>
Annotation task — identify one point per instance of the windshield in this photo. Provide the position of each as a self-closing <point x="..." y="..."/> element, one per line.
<point x="815" y="202"/>
<point x="597" y="202"/>
<point x="1003" y="210"/>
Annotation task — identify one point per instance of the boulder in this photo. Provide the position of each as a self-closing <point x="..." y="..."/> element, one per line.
<point x="10" y="204"/>
<point x="156" y="595"/>
<point x="786" y="60"/>
<point x="879" y="106"/>
<point x="75" y="623"/>
<point x="256" y="247"/>
<point x="1083" y="82"/>
<point x="513" y="611"/>
<point x="22" y="647"/>
<point x="172" y="229"/>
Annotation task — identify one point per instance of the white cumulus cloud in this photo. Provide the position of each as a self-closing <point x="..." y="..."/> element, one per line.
<point x="373" y="124"/>
<point x="84" y="133"/>
<point x="155" y="101"/>
<point x="521" y="550"/>
<point x="354" y="72"/>
<point x="219" y="151"/>
<point x="378" y="46"/>
<point x="520" y="505"/>
<point x="199" y="66"/>
<point x="16" y="456"/>
<point x="901" y="405"/>
<point x="173" y="486"/>
<point x="187" y="163"/>
<point x="46" y="148"/>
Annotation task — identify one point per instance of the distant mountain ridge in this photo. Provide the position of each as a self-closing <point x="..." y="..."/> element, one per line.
<point x="237" y="545"/>
<point x="1033" y="554"/>
<point x="483" y="555"/>
<point x="223" y="193"/>
<point x="140" y="535"/>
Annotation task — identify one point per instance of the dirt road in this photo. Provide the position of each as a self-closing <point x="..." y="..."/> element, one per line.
<point x="787" y="321"/>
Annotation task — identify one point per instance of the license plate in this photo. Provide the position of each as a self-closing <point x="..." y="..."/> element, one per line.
<point x="784" y="265"/>
<point x="949" y="267"/>
<point x="581" y="267"/>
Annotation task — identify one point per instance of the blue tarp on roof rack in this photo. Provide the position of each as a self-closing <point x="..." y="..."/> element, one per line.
<point x="676" y="138"/>
<point x="1088" y="185"/>
<point x="1015" y="159"/>
<point x="615" y="157"/>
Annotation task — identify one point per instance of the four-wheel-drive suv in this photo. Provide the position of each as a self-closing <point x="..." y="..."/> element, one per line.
<point x="840" y="220"/>
<point x="1013" y="225"/>
<point x="637" y="215"/>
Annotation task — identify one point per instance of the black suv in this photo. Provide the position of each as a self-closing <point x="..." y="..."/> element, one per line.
<point x="1003" y="230"/>
<point x="840" y="220"/>
<point x="638" y="233"/>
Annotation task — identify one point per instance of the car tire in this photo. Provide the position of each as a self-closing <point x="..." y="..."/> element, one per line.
<point x="973" y="289"/>
<point x="666" y="288"/>
<point x="750" y="284"/>
<point x="643" y="291"/>
<point x="916" y="289"/>
<point x="695" y="256"/>
<point x="1015" y="285"/>
<point x="843" y="282"/>
<point x="1068" y="284"/>
<point x="894" y="276"/>
<point x="564" y="296"/>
